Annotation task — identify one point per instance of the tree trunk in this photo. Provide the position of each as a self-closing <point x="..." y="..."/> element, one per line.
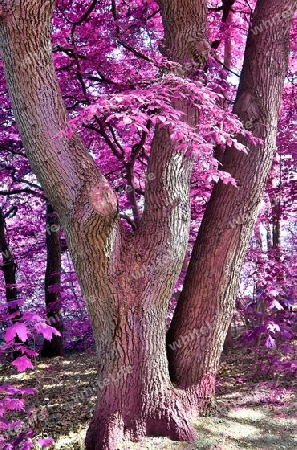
<point x="126" y="278"/>
<point x="206" y="303"/>
<point x="9" y="271"/>
<point x="136" y="397"/>
<point x="52" y="284"/>
<point x="227" y="20"/>
<point x="276" y="224"/>
<point x="275" y="250"/>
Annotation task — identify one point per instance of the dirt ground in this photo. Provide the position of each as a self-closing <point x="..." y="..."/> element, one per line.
<point x="256" y="410"/>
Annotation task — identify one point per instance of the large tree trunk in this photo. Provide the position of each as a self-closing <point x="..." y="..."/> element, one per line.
<point x="206" y="303"/>
<point x="144" y="400"/>
<point x="227" y="21"/>
<point x="128" y="312"/>
<point x="52" y="284"/>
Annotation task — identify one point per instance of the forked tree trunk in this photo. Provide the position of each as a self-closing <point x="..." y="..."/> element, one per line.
<point x="52" y="284"/>
<point x="128" y="311"/>
<point x="136" y="397"/>
<point x="206" y="303"/>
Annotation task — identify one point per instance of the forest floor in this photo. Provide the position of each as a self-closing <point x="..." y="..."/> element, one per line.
<point x="257" y="409"/>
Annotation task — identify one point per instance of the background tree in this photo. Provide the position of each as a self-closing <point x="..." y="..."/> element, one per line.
<point x="52" y="284"/>
<point x="9" y="268"/>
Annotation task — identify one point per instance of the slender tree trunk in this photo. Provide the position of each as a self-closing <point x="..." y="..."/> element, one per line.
<point x="9" y="268"/>
<point x="269" y="238"/>
<point x="9" y="271"/>
<point x="275" y="250"/>
<point x="207" y="301"/>
<point x="52" y="283"/>
<point x="276" y="212"/>
<point x="276" y="225"/>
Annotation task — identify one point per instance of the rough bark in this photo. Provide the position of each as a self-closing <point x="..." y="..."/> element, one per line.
<point x="155" y="255"/>
<point x="126" y="278"/>
<point x="185" y="31"/>
<point x="207" y="300"/>
<point x="52" y="284"/>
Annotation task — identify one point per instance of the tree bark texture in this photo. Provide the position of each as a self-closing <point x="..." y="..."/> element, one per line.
<point x="206" y="303"/>
<point x="9" y="272"/>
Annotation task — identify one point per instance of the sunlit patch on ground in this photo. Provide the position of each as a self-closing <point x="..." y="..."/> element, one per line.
<point x="247" y="414"/>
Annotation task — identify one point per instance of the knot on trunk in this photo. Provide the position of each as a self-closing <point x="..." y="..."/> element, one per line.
<point x="4" y="8"/>
<point x="103" y="199"/>
<point x="200" y="50"/>
<point x="247" y="107"/>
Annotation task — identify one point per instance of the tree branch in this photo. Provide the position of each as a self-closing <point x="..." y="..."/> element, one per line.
<point x="86" y="14"/>
<point x="135" y="52"/>
<point x="22" y="191"/>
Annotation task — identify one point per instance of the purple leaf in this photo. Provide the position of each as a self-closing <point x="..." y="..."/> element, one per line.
<point x="22" y="363"/>
<point x="19" y="329"/>
<point x="46" y="442"/>
<point x="270" y="342"/>
<point x="46" y="330"/>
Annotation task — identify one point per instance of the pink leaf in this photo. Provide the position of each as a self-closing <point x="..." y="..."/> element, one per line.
<point x="46" y="442"/>
<point x="27" y="445"/>
<point x="14" y="403"/>
<point x="46" y="330"/>
<point x="22" y="363"/>
<point x="270" y="342"/>
<point x="19" y="329"/>
<point x="4" y="424"/>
